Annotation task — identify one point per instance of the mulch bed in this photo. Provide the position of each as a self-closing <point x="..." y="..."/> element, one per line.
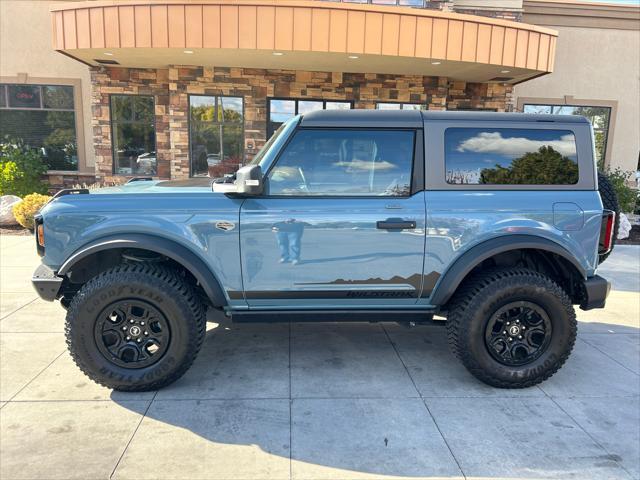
<point x="14" y="230"/>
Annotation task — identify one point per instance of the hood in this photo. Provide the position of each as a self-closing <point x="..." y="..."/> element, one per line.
<point x="191" y="185"/>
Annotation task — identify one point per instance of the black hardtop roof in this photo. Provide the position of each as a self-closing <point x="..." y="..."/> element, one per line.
<point x="414" y="118"/>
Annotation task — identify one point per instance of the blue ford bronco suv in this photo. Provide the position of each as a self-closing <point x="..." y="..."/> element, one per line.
<point x="493" y="220"/>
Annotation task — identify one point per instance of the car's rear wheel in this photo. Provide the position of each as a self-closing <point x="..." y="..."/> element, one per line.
<point x="511" y="328"/>
<point x="135" y="327"/>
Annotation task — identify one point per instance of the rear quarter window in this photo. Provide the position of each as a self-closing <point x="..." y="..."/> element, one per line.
<point x="510" y="156"/>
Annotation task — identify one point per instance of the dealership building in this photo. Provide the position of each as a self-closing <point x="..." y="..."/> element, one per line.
<point x="172" y="89"/>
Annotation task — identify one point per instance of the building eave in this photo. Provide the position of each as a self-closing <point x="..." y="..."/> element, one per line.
<point x="305" y="35"/>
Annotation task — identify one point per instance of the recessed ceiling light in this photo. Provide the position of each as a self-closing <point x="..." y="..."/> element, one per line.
<point x="188" y="51"/>
<point x="108" y="54"/>
<point x="353" y="57"/>
<point x="278" y="54"/>
<point x="436" y="63"/>
<point x="505" y="71"/>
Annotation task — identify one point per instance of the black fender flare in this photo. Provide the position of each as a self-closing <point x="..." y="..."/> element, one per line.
<point x="162" y="246"/>
<point x="453" y="277"/>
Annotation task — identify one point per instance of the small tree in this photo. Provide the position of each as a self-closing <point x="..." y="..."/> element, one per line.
<point x="21" y="169"/>
<point x="627" y="196"/>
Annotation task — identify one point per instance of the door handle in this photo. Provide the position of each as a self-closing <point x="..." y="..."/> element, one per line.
<point x="396" y="224"/>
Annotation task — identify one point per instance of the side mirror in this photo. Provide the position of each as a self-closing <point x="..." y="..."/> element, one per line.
<point x="249" y="180"/>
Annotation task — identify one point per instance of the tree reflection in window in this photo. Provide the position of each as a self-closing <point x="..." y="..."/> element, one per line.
<point x="133" y="135"/>
<point x="216" y="140"/>
<point x="505" y="156"/>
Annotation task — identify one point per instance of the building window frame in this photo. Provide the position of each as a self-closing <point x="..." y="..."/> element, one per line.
<point x="297" y="100"/>
<point x="423" y="106"/>
<point x="74" y="83"/>
<point x="112" y="131"/>
<point x="189" y="126"/>
<point x="570" y="101"/>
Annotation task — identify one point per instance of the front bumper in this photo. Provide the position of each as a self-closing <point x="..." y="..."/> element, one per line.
<point x="596" y="292"/>
<point x="46" y="283"/>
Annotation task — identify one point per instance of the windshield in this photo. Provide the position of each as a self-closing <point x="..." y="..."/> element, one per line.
<point x="263" y="151"/>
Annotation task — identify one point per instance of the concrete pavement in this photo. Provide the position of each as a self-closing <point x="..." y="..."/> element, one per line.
<point x="318" y="401"/>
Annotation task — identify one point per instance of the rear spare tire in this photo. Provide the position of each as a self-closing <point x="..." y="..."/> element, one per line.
<point x="609" y="202"/>
<point x="135" y="327"/>
<point x="511" y="328"/>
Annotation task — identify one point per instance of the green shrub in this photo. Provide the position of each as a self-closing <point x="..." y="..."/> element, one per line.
<point x="627" y="196"/>
<point x="21" y="169"/>
<point x="28" y="207"/>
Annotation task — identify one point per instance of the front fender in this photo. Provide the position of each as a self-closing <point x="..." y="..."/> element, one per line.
<point x="179" y="253"/>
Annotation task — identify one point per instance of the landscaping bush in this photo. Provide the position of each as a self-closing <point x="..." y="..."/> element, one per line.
<point x="627" y="196"/>
<point x="28" y="208"/>
<point x="21" y="169"/>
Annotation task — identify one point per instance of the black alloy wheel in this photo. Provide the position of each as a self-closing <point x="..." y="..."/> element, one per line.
<point x="518" y="333"/>
<point x="132" y="333"/>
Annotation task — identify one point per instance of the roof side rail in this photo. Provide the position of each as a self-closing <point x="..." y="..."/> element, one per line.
<point x="140" y="179"/>
<point x="71" y="191"/>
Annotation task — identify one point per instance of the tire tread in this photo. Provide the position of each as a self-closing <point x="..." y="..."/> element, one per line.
<point x="478" y="286"/>
<point x="150" y="273"/>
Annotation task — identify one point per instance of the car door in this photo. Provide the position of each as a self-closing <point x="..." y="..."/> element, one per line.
<point x="341" y="223"/>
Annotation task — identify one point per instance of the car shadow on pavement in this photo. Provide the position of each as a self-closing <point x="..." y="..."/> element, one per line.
<point x="330" y="400"/>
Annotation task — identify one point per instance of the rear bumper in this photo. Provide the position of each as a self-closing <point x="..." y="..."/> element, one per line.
<point x="46" y="283"/>
<point x="596" y="290"/>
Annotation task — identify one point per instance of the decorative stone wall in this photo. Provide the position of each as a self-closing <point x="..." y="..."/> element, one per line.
<point x="171" y="88"/>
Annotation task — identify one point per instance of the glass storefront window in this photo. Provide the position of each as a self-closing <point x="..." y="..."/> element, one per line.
<point x="216" y="137"/>
<point x="43" y="117"/>
<point x="133" y="135"/>
<point x="281" y="109"/>
<point x="598" y="116"/>
<point x="400" y="106"/>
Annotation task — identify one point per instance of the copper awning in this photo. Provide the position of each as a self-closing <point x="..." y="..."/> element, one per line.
<point x="303" y="35"/>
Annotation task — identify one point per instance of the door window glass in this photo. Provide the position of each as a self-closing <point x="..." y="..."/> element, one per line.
<point x="510" y="156"/>
<point x="345" y="162"/>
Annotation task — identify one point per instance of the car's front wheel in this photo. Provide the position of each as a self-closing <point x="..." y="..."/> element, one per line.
<point x="511" y="328"/>
<point x="135" y="327"/>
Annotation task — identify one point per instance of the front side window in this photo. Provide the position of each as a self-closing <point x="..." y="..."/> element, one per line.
<point x="331" y="162"/>
<point x="598" y="116"/>
<point x="510" y="156"/>
<point x="134" y="135"/>
<point x="43" y="117"/>
<point x="281" y="110"/>
<point x="216" y="139"/>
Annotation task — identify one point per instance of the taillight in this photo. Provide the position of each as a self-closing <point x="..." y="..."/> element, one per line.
<point x="606" y="232"/>
<point x="39" y="230"/>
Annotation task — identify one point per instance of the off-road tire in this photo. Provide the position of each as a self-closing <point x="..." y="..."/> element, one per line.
<point x="484" y="294"/>
<point x="610" y="202"/>
<point x="165" y="291"/>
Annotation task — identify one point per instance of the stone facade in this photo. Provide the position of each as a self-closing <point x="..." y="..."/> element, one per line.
<point x="171" y="88"/>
